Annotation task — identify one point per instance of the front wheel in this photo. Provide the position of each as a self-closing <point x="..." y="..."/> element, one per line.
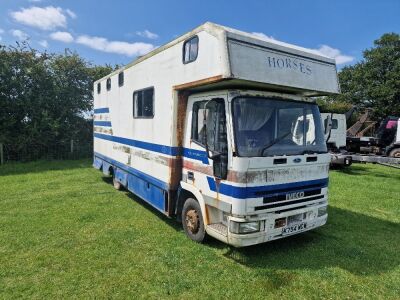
<point x="192" y="221"/>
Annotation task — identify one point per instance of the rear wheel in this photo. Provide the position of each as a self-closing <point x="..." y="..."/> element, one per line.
<point x="395" y="153"/>
<point x="117" y="185"/>
<point x="192" y="220"/>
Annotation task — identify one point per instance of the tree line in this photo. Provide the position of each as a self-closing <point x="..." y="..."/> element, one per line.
<point x="45" y="98"/>
<point x="372" y="83"/>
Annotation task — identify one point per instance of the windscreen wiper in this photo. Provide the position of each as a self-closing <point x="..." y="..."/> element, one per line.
<point x="274" y="142"/>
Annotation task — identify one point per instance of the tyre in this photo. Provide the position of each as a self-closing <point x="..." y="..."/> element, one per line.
<point x="192" y="221"/>
<point x="117" y="185"/>
<point x="395" y="153"/>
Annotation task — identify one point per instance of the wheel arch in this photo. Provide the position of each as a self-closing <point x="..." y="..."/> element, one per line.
<point x="188" y="191"/>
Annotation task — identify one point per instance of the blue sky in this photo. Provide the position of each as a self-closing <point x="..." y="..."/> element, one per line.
<point x="116" y="31"/>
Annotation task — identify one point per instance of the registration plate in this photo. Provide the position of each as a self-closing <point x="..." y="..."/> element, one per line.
<point x="294" y="228"/>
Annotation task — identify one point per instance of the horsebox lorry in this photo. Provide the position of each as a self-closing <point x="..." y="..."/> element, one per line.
<point x="217" y="129"/>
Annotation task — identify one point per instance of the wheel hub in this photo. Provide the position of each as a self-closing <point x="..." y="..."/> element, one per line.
<point x="192" y="221"/>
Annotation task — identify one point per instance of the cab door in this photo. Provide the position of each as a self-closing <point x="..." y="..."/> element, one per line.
<point x="205" y="143"/>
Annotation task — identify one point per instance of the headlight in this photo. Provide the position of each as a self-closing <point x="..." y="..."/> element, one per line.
<point x="248" y="227"/>
<point x="322" y="211"/>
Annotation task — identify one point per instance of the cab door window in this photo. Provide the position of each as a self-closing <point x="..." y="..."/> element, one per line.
<point x="210" y="116"/>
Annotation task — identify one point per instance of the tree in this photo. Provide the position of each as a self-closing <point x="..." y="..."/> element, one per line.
<point x="375" y="81"/>
<point x="45" y="98"/>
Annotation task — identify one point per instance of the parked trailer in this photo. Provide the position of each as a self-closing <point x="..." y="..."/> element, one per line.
<point x="216" y="128"/>
<point x="383" y="149"/>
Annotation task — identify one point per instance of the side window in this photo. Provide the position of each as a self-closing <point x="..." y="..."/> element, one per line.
<point x="198" y="111"/>
<point x="108" y="84"/>
<point x="190" y="49"/>
<point x="143" y="103"/>
<point x="334" y="124"/>
<point x="98" y="88"/>
<point x="121" y="79"/>
<point x="214" y="111"/>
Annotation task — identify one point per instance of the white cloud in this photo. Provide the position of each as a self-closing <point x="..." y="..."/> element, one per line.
<point x="328" y="51"/>
<point x="62" y="36"/>
<point x="1" y="31"/>
<point x="45" y="18"/>
<point x="44" y="43"/>
<point x="35" y="1"/>
<point x="19" y="34"/>
<point x="147" y="34"/>
<point x="70" y="13"/>
<point x="118" y="47"/>
<point x="263" y="36"/>
<point x="323" y="50"/>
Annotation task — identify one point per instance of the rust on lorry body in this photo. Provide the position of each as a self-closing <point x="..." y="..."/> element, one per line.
<point x="197" y="83"/>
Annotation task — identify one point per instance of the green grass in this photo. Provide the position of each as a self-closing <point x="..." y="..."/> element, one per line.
<point x="66" y="233"/>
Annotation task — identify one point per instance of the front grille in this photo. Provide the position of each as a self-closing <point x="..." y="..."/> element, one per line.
<point x="300" y="201"/>
<point x="282" y="197"/>
<point x="291" y="195"/>
<point x="286" y="190"/>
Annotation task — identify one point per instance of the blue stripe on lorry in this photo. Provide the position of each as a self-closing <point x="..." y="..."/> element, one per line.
<point x="102" y="123"/>
<point x="101" y="110"/>
<point x="164" y="149"/>
<point x="147" y="187"/>
<point x="243" y="192"/>
<point x="153" y="190"/>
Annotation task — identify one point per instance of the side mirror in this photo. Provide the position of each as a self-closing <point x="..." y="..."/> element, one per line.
<point x="328" y="127"/>
<point x="213" y="154"/>
<point x="216" y="136"/>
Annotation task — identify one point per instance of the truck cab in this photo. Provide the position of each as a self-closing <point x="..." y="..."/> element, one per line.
<point x="258" y="170"/>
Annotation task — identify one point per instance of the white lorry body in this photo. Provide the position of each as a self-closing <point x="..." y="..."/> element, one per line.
<point x="254" y="180"/>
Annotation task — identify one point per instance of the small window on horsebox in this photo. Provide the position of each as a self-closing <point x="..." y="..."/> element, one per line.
<point x="190" y="49"/>
<point x="108" y="84"/>
<point x="143" y="103"/>
<point x="335" y="123"/>
<point x="121" y="79"/>
<point x="98" y="88"/>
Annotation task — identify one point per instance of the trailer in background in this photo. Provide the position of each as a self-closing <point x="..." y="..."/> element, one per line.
<point x="350" y="145"/>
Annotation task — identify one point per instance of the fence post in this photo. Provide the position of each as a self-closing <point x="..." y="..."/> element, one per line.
<point x="1" y="154"/>
<point x="72" y="146"/>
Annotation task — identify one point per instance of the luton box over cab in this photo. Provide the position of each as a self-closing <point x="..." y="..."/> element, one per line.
<point x="216" y="128"/>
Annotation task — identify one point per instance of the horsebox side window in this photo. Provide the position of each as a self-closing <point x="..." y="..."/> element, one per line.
<point x="335" y="123"/>
<point x="121" y="79"/>
<point x="98" y="88"/>
<point x="108" y="84"/>
<point x="143" y="103"/>
<point x="190" y="49"/>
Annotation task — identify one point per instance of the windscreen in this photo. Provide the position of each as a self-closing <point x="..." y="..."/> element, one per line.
<point x="267" y="127"/>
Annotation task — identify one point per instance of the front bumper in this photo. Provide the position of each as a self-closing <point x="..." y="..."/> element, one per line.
<point x="270" y="233"/>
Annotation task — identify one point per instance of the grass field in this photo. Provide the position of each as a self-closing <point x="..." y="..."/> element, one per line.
<point x="66" y="233"/>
